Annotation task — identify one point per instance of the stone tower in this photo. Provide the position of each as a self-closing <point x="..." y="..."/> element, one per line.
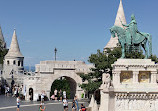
<point x="120" y="17"/>
<point x="13" y="62"/>
<point x="2" y="39"/>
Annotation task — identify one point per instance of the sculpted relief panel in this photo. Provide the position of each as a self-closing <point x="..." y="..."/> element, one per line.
<point x="144" y="76"/>
<point x="126" y="76"/>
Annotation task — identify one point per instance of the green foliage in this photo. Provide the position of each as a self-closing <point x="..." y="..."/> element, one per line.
<point x="61" y="84"/>
<point x="154" y="58"/>
<point x="3" y="52"/>
<point x="102" y="64"/>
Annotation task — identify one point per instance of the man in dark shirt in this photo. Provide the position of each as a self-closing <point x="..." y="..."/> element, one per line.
<point x="83" y="107"/>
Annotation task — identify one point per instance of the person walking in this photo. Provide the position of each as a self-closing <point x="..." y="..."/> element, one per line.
<point x="56" y="94"/>
<point x="64" y="94"/>
<point x="60" y="95"/>
<point x="65" y="104"/>
<point x="73" y="106"/>
<point x="76" y="101"/>
<point x="18" y="103"/>
<point x="42" y="98"/>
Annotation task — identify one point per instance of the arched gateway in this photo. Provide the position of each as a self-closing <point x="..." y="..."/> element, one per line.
<point x="49" y="71"/>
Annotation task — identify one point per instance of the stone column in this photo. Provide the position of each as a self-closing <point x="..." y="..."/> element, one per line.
<point x="135" y="77"/>
<point x="104" y="105"/>
<point x="114" y="77"/>
<point x="118" y="77"/>
<point x="153" y="77"/>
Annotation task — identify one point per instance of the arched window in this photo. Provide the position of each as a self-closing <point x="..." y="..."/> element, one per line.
<point x="7" y="62"/>
<point x="14" y="62"/>
<point x="18" y="63"/>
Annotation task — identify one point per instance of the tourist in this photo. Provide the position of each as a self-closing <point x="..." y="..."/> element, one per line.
<point x="83" y="108"/>
<point x="76" y="101"/>
<point x="60" y="95"/>
<point x="73" y="106"/>
<point x="42" y="98"/>
<point x="18" y="103"/>
<point x="64" y="94"/>
<point x="15" y="90"/>
<point x="52" y="97"/>
<point x="6" y="87"/>
<point x="40" y="108"/>
<point x="8" y="91"/>
<point x="65" y="104"/>
<point x="56" y="94"/>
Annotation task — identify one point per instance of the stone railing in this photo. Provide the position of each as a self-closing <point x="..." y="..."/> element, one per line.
<point x="136" y="101"/>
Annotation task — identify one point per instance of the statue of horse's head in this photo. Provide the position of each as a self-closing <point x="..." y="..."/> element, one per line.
<point x="113" y="31"/>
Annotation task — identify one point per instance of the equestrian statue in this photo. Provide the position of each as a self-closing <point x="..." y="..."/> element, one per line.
<point x="130" y="36"/>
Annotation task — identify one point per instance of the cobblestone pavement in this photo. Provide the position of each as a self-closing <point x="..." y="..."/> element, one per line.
<point x="9" y="104"/>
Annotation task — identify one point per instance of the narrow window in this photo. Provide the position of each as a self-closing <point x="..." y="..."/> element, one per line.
<point x="18" y="63"/>
<point x="14" y="62"/>
<point x="7" y="62"/>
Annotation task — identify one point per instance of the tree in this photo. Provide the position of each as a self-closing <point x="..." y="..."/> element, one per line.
<point x="3" y="52"/>
<point x="102" y="64"/>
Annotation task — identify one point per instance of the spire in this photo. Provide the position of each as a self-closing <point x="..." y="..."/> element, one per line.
<point x="14" y="50"/>
<point x="2" y="38"/>
<point x="119" y="17"/>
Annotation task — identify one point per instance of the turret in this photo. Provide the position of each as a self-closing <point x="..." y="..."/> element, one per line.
<point x="13" y="61"/>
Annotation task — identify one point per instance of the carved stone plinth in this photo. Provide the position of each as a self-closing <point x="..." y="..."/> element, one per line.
<point x="134" y="87"/>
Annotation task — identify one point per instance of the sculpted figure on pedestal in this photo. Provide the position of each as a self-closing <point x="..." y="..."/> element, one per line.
<point x="106" y="81"/>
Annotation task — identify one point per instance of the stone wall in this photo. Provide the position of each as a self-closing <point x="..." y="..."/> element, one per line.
<point x="48" y="71"/>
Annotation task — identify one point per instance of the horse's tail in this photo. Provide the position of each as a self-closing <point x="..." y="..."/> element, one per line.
<point x="150" y="44"/>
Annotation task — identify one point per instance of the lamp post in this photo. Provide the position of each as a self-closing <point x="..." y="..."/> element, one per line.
<point x="55" y="50"/>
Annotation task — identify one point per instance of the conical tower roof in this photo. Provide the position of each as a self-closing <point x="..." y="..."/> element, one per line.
<point x="14" y="50"/>
<point x="2" y="38"/>
<point x="119" y="17"/>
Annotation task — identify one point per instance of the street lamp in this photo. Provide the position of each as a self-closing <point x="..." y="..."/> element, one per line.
<point x="55" y="50"/>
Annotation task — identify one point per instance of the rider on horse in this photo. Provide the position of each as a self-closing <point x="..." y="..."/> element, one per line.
<point x="131" y="30"/>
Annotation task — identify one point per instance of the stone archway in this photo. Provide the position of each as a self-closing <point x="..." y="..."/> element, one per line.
<point x="70" y="83"/>
<point x="69" y="74"/>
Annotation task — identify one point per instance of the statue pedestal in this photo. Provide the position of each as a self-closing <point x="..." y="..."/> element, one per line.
<point x="106" y="99"/>
<point x="135" y="86"/>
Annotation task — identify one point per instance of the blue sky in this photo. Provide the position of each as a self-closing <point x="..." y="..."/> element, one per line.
<point x="76" y="27"/>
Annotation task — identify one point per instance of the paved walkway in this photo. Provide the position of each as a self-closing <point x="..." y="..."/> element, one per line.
<point x="9" y="104"/>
